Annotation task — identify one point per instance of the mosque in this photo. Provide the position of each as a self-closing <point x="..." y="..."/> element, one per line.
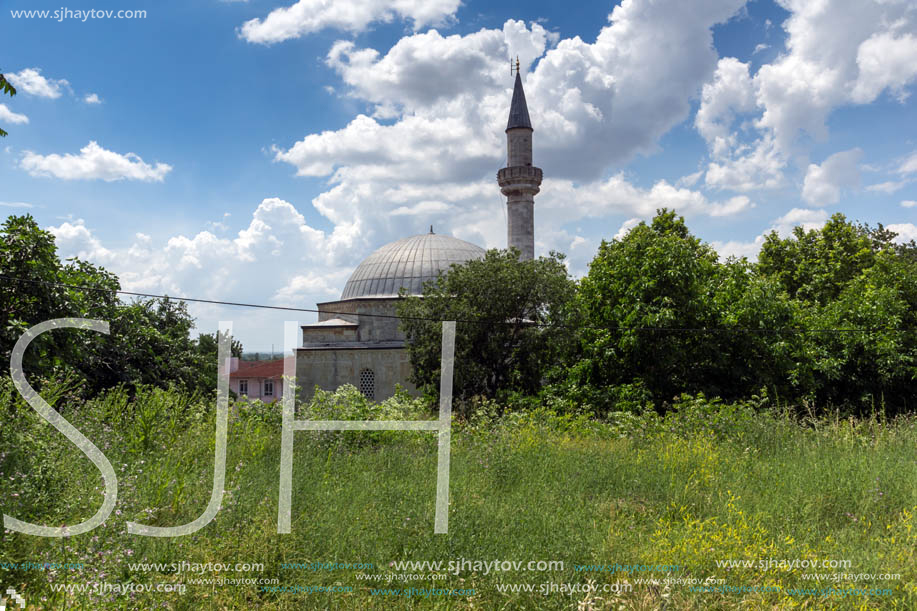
<point x="351" y="343"/>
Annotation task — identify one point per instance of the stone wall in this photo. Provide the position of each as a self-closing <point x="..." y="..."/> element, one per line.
<point x="371" y="329"/>
<point x="331" y="368"/>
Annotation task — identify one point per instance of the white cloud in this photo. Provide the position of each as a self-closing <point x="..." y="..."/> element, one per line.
<point x="92" y="98"/>
<point x="886" y="60"/>
<point x="438" y="106"/>
<point x="737" y="248"/>
<point x="906" y="231"/>
<point x="689" y="180"/>
<point x="626" y="226"/>
<point x="421" y="208"/>
<point x="308" y="16"/>
<point x="9" y="116"/>
<point x="426" y="68"/>
<point x="276" y="258"/>
<point x="909" y="165"/>
<point x="888" y="186"/>
<point x="760" y="47"/>
<point x="77" y="240"/>
<point x="908" y="203"/>
<point x="760" y="167"/>
<point x="564" y="201"/>
<point x="94" y="163"/>
<point x="823" y="183"/>
<point x="834" y="58"/>
<point x="806" y="218"/>
<point x="31" y="81"/>
<point x="15" y="205"/>
<point x="730" y="92"/>
<point x="838" y="53"/>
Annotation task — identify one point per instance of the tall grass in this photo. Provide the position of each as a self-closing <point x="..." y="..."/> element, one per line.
<point x="706" y="482"/>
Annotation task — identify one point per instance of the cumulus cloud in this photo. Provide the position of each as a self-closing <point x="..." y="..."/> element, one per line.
<point x="835" y="58"/>
<point x="806" y="218"/>
<point x="308" y="16"/>
<point x="276" y="258"/>
<point x="730" y="92"/>
<point x="427" y="148"/>
<point x="11" y="117"/>
<point x="563" y="201"/>
<point x="738" y="249"/>
<point x="886" y="60"/>
<point x="31" y="81"/>
<point x="838" y="53"/>
<point x="92" y="98"/>
<point x="626" y="226"/>
<point x="823" y="183"/>
<point x="77" y="240"/>
<point x="94" y="163"/>
<point x="906" y="231"/>
<point x="909" y="165"/>
<point x="423" y="69"/>
<point x="757" y="167"/>
<point x="424" y="208"/>
<point x="890" y="186"/>
<point x="908" y="203"/>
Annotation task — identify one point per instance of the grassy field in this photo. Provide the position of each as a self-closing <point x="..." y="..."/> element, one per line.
<point x="708" y="483"/>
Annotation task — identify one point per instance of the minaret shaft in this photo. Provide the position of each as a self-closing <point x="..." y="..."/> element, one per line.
<point x="520" y="181"/>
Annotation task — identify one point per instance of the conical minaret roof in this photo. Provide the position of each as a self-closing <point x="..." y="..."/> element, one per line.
<point x="518" y="110"/>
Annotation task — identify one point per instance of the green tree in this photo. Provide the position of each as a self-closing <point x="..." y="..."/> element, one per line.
<point x="7" y="88"/>
<point x="31" y="292"/>
<point x="509" y="333"/>
<point x="642" y="299"/>
<point x="206" y="349"/>
<point x="815" y="265"/>
<point x="855" y="291"/>
<point x="149" y="340"/>
<point x="757" y="343"/>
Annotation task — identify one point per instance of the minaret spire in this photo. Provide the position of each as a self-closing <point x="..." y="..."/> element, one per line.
<point x="520" y="181"/>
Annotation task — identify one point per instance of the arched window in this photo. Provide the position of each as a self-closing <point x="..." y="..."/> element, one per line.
<point x="368" y="383"/>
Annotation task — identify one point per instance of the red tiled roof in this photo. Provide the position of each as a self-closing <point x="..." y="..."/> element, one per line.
<point x="259" y="369"/>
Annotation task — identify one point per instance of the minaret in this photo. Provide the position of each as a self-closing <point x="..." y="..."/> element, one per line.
<point x="520" y="181"/>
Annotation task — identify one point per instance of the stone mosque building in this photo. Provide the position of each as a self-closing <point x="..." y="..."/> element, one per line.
<point x="351" y="343"/>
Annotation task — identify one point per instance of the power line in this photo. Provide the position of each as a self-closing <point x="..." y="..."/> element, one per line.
<point x="479" y="322"/>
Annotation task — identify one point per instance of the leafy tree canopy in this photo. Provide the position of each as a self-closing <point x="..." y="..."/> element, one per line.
<point x="6" y="88"/>
<point x="506" y="348"/>
<point x="149" y="340"/>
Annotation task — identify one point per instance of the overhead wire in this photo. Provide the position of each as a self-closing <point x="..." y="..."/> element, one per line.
<point x="478" y="321"/>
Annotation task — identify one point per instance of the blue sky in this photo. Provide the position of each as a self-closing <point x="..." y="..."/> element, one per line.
<point x="258" y="151"/>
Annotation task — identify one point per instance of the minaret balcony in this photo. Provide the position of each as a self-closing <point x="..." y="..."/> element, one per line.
<point x="519" y="175"/>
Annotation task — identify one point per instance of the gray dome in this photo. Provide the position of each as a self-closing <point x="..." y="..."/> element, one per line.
<point x="408" y="263"/>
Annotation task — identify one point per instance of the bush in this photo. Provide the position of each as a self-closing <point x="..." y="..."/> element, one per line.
<point x="348" y="403"/>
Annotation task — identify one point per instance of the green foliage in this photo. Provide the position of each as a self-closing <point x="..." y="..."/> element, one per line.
<point x="709" y="481"/>
<point x="149" y="342"/>
<point x="827" y="316"/>
<point x="500" y="304"/>
<point x="348" y="403"/>
<point x="6" y="88"/>
<point x="855" y="294"/>
<point x="28" y="254"/>
<point x="814" y="266"/>
<point x="639" y="296"/>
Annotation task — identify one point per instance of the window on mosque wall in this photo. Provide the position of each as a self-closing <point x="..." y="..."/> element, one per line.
<point x="368" y="383"/>
<point x="269" y="388"/>
<point x="243" y="387"/>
